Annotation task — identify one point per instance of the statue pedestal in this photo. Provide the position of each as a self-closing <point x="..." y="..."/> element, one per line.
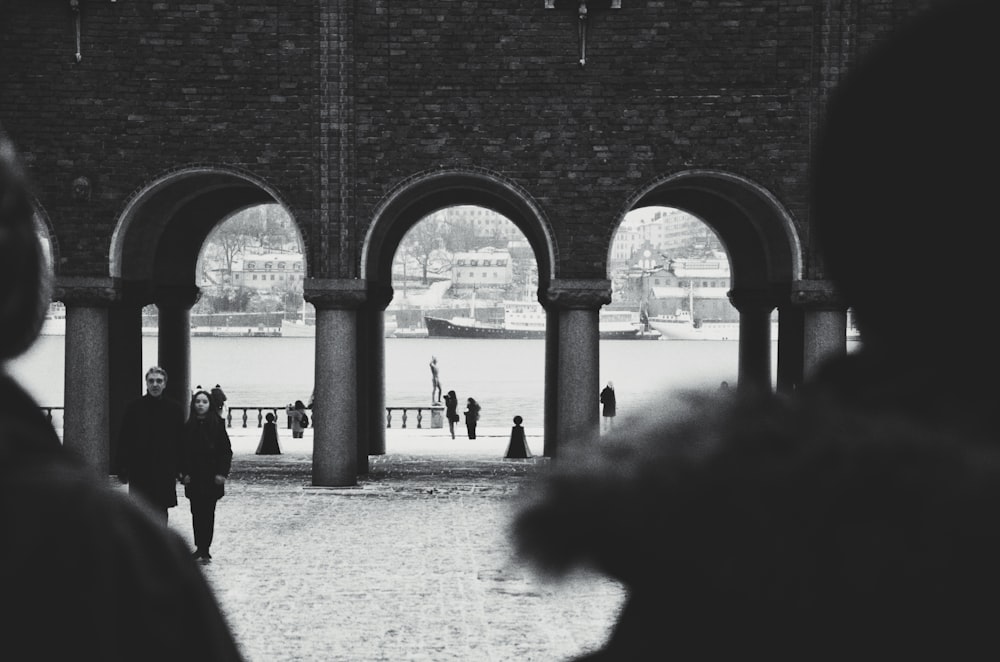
<point x="437" y="417"/>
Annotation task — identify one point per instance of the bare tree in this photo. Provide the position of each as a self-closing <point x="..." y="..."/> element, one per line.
<point x="423" y="242"/>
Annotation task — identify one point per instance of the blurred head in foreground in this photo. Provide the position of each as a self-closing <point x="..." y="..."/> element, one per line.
<point x="23" y="271"/>
<point x="853" y="520"/>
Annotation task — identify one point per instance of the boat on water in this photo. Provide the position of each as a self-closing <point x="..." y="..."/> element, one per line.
<point x="526" y="320"/>
<point x="680" y="326"/>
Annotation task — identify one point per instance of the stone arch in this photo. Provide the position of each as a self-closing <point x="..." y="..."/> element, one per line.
<point x="427" y="192"/>
<point x="765" y="256"/>
<point x="44" y="227"/>
<point x="153" y="258"/>
<point x="164" y="224"/>
<point x="758" y="232"/>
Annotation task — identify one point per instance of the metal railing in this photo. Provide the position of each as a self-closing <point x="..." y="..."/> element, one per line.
<point x="256" y="413"/>
<point x="48" y="412"/>
<point x="405" y="416"/>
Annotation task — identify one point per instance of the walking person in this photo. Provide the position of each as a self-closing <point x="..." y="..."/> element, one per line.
<point x="205" y="459"/>
<point x="472" y="409"/>
<point x="609" y="405"/>
<point x="148" y="442"/>
<point x="86" y="572"/>
<point x="269" y="437"/>
<point x="299" y="418"/>
<point x="451" y="411"/>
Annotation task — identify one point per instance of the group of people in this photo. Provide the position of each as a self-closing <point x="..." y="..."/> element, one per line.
<point x="157" y="448"/>
<point x="472" y="408"/>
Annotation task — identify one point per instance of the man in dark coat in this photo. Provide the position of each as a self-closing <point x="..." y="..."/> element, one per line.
<point x="85" y="573"/>
<point x="148" y="445"/>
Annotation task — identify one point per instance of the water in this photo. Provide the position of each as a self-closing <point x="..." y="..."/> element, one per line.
<point x="505" y="376"/>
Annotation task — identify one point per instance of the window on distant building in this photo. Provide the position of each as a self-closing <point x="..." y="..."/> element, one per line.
<point x="473" y="263"/>
<point x="486" y="263"/>
<point x="251" y="266"/>
<point x="461" y="263"/>
<point x="255" y="276"/>
<point x="268" y="266"/>
<point x="281" y="265"/>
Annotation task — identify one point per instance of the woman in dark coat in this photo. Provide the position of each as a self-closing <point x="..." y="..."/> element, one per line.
<point x="451" y="411"/>
<point x="206" y="456"/>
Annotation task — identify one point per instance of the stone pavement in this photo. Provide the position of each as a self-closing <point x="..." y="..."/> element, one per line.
<point x="412" y="564"/>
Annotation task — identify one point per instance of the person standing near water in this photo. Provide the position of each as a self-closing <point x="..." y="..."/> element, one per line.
<point x="472" y="409"/>
<point x="219" y="401"/>
<point x="609" y="406"/>
<point x="451" y="411"/>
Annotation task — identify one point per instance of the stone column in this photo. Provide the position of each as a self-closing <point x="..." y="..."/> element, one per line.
<point x="335" y="406"/>
<point x="551" y="393"/>
<point x="125" y="354"/>
<point x="755" y="308"/>
<point x="372" y="373"/>
<point x="578" y="303"/>
<point x="824" y="322"/>
<point x="174" y="304"/>
<point x="790" y="334"/>
<point x="86" y="425"/>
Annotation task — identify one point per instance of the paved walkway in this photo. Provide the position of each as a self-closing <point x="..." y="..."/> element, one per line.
<point x="412" y="564"/>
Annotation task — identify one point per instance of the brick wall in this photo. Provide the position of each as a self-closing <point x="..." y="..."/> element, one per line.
<point x="333" y="104"/>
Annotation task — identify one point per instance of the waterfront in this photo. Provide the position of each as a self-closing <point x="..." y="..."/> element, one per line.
<point x="505" y="376"/>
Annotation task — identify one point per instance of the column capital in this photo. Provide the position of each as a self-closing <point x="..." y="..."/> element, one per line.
<point x="93" y="291"/>
<point x="817" y="295"/>
<point x="578" y="294"/>
<point x="335" y="293"/>
<point x="177" y="296"/>
<point x="379" y="295"/>
<point x="752" y="299"/>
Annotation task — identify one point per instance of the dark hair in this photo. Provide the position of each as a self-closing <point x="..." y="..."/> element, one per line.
<point x="898" y="181"/>
<point x="26" y="278"/>
<point x="269" y="417"/>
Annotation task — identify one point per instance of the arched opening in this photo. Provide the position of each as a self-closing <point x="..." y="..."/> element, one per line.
<point x="465" y="282"/>
<point x="670" y="277"/>
<point x="423" y="197"/>
<point x="759" y="247"/>
<point x="158" y="259"/>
